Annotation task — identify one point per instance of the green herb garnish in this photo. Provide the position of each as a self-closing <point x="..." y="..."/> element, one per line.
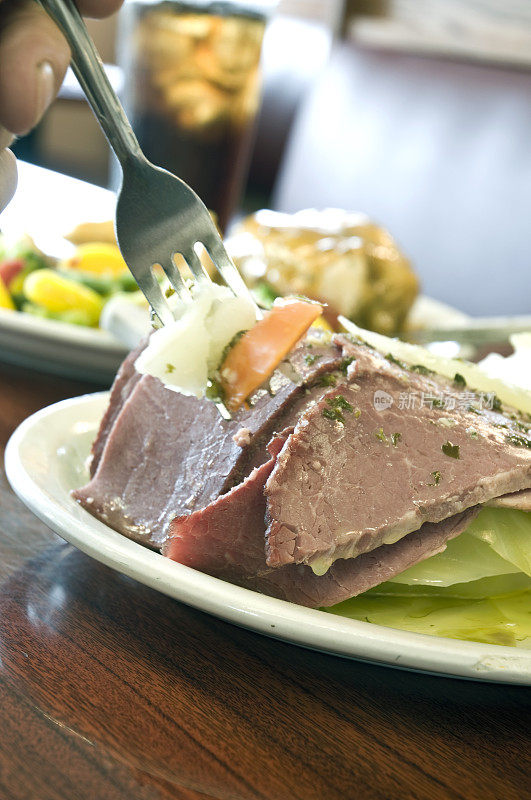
<point x="395" y="438"/>
<point x="336" y="405"/>
<point x="519" y="441"/>
<point x="451" y="450"/>
<point x="345" y="364"/>
<point x="436" y="475"/>
<point x="381" y="435"/>
<point x="390" y="357"/>
<point x="328" y="380"/>
<point x="170" y="368"/>
<point x="459" y="380"/>
<point x="496" y="403"/>
<point x="236" y="338"/>
<point x="421" y="369"/>
<point x="311" y="358"/>
<point x="214" y="392"/>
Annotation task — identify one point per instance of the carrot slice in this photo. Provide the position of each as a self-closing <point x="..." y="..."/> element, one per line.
<point x="254" y="357"/>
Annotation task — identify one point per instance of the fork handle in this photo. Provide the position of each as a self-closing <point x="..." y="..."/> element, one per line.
<point x="88" y="68"/>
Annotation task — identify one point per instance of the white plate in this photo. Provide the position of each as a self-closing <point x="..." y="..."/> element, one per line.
<point x="45" y="459"/>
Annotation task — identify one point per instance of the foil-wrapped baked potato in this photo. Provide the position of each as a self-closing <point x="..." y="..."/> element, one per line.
<point x="338" y="257"/>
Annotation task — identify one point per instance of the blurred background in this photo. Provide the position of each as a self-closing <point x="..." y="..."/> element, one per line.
<point x="416" y="112"/>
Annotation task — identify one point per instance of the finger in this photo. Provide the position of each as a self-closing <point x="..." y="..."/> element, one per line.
<point x="8" y="177"/>
<point x="33" y="60"/>
<point x="98" y="8"/>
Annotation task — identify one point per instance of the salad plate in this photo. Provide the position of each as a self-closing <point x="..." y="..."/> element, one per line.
<point x="92" y="353"/>
<point x="46" y="458"/>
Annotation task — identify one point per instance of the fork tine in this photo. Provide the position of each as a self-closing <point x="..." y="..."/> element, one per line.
<point x="151" y="288"/>
<point x="176" y="279"/>
<point x="196" y="267"/>
<point x="227" y="270"/>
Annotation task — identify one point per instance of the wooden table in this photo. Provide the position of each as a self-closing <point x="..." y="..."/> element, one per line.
<point x="110" y="690"/>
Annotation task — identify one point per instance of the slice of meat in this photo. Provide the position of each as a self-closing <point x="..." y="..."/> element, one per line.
<point x="519" y="501"/>
<point x="161" y="454"/>
<point x="124" y="383"/>
<point x="226" y="540"/>
<point x="349" y="577"/>
<point x="378" y="471"/>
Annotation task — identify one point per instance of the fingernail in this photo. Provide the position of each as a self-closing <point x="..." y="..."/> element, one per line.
<point x="46" y="87"/>
<point x="6" y="138"/>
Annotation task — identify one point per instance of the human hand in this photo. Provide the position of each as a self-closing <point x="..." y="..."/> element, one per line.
<point x="34" y="57"/>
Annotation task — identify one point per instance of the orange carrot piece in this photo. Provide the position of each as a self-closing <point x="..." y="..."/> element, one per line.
<point x="254" y="357"/>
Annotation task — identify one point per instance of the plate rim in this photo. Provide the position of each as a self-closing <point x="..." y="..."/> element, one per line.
<point x="64" y="332"/>
<point x="276" y="618"/>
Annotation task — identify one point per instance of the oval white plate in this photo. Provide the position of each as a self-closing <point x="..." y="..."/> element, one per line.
<point x="45" y="459"/>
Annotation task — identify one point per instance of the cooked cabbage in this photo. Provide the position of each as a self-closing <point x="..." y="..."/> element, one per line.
<point x="504" y="621"/>
<point x="478" y="589"/>
<point x="466" y="558"/>
<point x="507" y="532"/>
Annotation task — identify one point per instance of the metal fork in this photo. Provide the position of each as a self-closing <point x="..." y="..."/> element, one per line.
<point x="157" y="215"/>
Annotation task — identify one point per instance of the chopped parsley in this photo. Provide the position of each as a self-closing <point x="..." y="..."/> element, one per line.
<point x="421" y="369"/>
<point x="357" y="413"/>
<point x="170" y="368"/>
<point x="328" y="380"/>
<point x="390" y="357"/>
<point x="436" y="475"/>
<point x="496" y="403"/>
<point x="459" y="380"/>
<point x="236" y="338"/>
<point x="345" y="364"/>
<point x="473" y="409"/>
<point x="395" y="438"/>
<point x="519" y="441"/>
<point x="437" y="402"/>
<point x="451" y="450"/>
<point x="215" y="392"/>
<point x="311" y="358"/>
<point x="381" y="435"/>
<point x="335" y="407"/>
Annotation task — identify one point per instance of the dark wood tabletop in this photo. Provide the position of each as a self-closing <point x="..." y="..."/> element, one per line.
<point x="111" y="690"/>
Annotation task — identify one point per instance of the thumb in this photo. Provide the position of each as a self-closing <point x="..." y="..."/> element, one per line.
<point x="8" y="169"/>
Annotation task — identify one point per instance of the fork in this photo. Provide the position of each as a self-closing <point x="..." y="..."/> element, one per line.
<point x="157" y="214"/>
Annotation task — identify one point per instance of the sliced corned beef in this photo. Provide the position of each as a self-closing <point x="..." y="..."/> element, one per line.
<point x="226" y="540"/>
<point x="356" y="474"/>
<point x="160" y="454"/>
<point x="124" y="383"/>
